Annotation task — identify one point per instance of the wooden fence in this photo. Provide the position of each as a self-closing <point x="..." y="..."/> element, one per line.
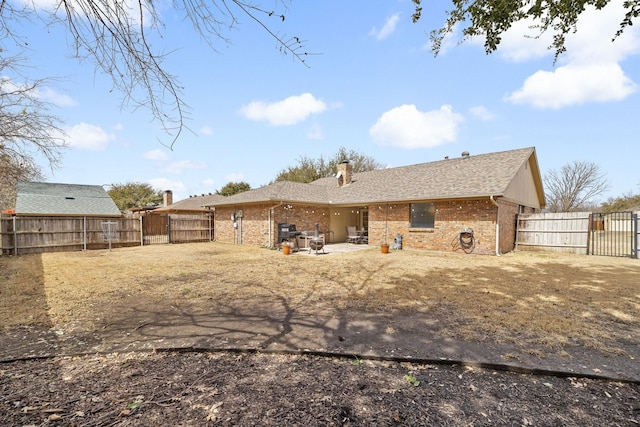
<point x="23" y="235"/>
<point x="613" y="234"/>
<point x="558" y="232"/>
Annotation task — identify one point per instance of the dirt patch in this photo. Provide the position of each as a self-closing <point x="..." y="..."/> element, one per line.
<point x="230" y="389"/>
<point x="574" y="314"/>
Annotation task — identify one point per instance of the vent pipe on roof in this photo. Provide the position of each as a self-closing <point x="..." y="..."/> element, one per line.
<point x="465" y="154"/>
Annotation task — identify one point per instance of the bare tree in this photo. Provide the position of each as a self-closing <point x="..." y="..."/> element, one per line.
<point x="10" y="175"/>
<point x="116" y="36"/>
<point x="574" y="186"/>
<point x="27" y="131"/>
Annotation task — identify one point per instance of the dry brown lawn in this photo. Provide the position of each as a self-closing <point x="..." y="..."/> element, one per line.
<point x="545" y="298"/>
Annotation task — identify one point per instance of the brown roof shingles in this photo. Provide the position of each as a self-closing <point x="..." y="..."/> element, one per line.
<point x="195" y="203"/>
<point x="463" y="177"/>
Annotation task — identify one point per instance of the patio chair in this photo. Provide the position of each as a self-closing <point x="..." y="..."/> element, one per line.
<point x="352" y="234"/>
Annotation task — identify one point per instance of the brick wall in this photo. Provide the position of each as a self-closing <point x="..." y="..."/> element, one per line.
<point x="507" y="219"/>
<point x="450" y="218"/>
<point x="255" y="222"/>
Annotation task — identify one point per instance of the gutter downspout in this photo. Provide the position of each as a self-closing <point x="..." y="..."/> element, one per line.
<point x="497" y="225"/>
<point x="271" y="245"/>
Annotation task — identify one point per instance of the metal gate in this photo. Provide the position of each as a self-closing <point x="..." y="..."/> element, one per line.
<point x="613" y="234"/>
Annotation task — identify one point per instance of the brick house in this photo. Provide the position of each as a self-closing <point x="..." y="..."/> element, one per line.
<point x="428" y="203"/>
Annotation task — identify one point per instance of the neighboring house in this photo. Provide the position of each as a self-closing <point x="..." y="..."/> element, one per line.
<point x="50" y="199"/>
<point x="192" y="205"/>
<point x="428" y="203"/>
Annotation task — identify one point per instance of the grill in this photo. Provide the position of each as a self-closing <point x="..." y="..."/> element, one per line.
<point x="288" y="233"/>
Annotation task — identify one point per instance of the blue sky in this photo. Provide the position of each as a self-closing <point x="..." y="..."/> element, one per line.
<point x="374" y="86"/>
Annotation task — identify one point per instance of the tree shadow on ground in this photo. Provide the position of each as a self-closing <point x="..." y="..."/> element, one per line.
<point x="457" y="327"/>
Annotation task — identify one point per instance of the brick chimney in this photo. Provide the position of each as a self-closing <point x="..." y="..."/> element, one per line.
<point x="345" y="171"/>
<point x="167" y="198"/>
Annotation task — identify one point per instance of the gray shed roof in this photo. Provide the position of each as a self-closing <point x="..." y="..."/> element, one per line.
<point x="44" y="198"/>
<point x="473" y="176"/>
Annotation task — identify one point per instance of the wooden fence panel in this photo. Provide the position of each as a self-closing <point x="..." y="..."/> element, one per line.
<point x="190" y="228"/>
<point x="558" y="232"/>
<point x="155" y="229"/>
<point x="126" y="232"/>
<point x="23" y="235"/>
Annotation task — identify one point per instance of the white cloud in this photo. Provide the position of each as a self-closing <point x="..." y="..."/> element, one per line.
<point x="177" y="168"/>
<point x="167" y="184"/>
<point x="131" y="7"/>
<point x="482" y="113"/>
<point x="157" y="155"/>
<point x="49" y="95"/>
<point x="289" y="111"/>
<point x="206" y="131"/>
<point x="590" y="43"/>
<point x="407" y="127"/>
<point x="208" y="182"/>
<point x="88" y="137"/>
<point x="387" y="29"/>
<point x="574" y="85"/>
<point x="43" y="93"/>
<point x="234" y="177"/>
<point x="522" y="42"/>
<point x="590" y="70"/>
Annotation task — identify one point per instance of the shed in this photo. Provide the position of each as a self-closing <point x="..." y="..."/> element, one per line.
<point x="54" y="199"/>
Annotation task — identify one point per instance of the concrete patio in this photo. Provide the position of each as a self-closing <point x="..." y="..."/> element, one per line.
<point x="333" y="248"/>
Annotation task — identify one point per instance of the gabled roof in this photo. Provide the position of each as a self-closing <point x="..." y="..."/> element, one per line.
<point x="474" y="176"/>
<point x="192" y="204"/>
<point x="44" y="198"/>
<point x="281" y="191"/>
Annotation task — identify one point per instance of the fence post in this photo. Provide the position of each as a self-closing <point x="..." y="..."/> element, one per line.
<point x="590" y="232"/>
<point x="634" y="234"/>
<point x="169" y="228"/>
<point x="517" y="230"/>
<point x="210" y="227"/>
<point x="15" y="237"/>
<point x="141" y="232"/>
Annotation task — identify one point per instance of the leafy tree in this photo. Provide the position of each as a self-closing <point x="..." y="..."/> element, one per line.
<point x="232" y="188"/>
<point x="491" y="18"/>
<point x="133" y="194"/>
<point x="625" y="202"/>
<point x="117" y="36"/>
<point x="574" y="186"/>
<point x="308" y="170"/>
